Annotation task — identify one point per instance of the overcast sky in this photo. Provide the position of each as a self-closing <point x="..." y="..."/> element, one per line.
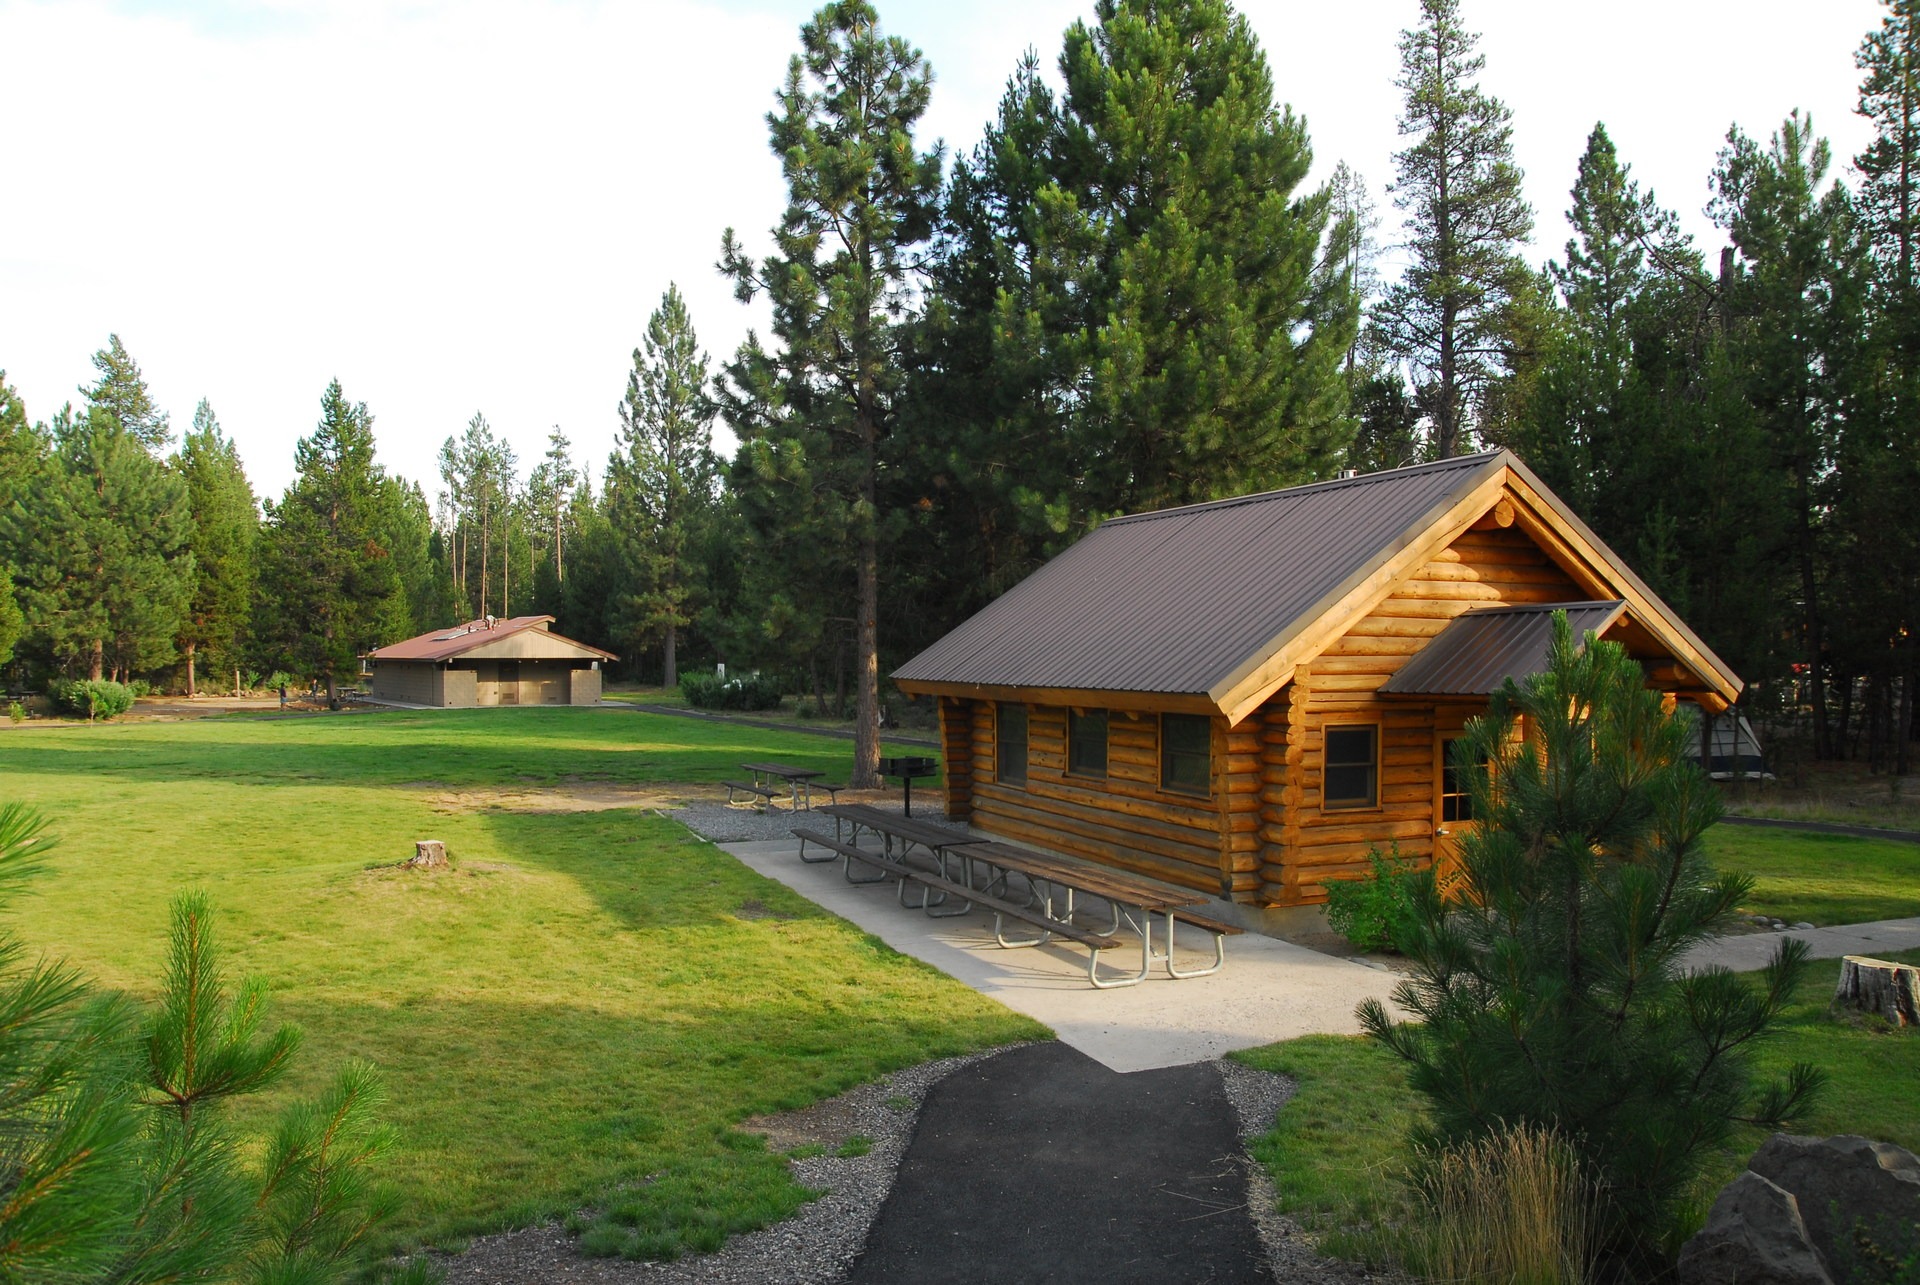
<point x="472" y="206"/>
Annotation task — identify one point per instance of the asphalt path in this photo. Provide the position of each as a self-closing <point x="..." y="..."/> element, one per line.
<point x="1041" y="1164"/>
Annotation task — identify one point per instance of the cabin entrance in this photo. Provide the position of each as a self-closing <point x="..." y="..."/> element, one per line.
<point x="509" y="682"/>
<point x="1453" y="816"/>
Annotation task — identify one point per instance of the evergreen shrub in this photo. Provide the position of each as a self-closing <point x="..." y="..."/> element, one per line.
<point x="1375" y="910"/>
<point x="96" y="698"/>
<point x="16" y="711"/>
<point x="1549" y="988"/>
<point x="705" y="689"/>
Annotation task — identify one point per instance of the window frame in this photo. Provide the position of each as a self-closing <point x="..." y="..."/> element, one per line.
<point x="1000" y="776"/>
<point x="1167" y="785"/>
<point x="1074" y="768"/>
<point x="1372" y="802"/>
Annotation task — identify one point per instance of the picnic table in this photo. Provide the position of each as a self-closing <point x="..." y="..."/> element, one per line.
<point x="971" y="871"/>
<point x="800" y="782"/>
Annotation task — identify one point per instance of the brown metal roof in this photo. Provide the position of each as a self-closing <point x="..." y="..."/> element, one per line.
<point x="1478" y="652"/>
<point x="1179" y="600"/>
<point x="444" y="644"/>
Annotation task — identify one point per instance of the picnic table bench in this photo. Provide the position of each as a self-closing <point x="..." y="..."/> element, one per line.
<point x="1002" y="910"/>
<point x="970" y="871"/>
<point x="800" y="783"/>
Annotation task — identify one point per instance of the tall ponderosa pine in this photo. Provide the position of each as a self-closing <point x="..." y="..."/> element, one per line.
<point x="1135" y="302"/>
<point x="327" y="582"/>
<point x="226" y="523"/>
<point x="100" y="537"/>
<point x="1548" y="988"/>
<point x="1879" y="451"/>
<point x="1215" y="302"/>
<point x="550" y="491"/>
<point x="1795" y="309"/>
<point x="860" y="199"/>
<point x="121" y="391"/>
<point x="1461" y="193"/>
<point x="661" y="478"/>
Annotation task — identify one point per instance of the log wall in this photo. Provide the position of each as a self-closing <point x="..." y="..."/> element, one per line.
<point x="1302" y="845"/>
<point x="1125" y="820"/>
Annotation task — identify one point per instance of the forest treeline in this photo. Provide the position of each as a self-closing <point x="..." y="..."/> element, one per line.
<point x="1126" y="296"/>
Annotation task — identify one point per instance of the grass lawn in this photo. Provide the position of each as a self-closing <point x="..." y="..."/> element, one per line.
<point x="1820" y="878"/>
<point x="1336" y="1149"/>
<point x="590" y="999"/>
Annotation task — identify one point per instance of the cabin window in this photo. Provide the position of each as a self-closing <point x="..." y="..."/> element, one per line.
<point x="1010" y="744"/>
<point x="1186" y="753"/>
<point x="1087" y="742"/>
<point x="1456" y="791"/>
<point x="1352" y="775"/>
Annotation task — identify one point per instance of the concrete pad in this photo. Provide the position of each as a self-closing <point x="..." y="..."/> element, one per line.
<point x="1269" y="990"/>
<point x="1752" y="950"/>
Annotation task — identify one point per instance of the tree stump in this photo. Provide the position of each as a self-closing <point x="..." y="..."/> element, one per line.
<point x="1879" y="986"/>
<point x="428" y="853"/>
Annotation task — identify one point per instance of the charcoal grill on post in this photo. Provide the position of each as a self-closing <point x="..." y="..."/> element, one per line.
<point x="906" y="768"/>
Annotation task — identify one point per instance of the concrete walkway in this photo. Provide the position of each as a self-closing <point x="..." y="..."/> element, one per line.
<point x="1752" y="950"/>
<point x="1270" y="989"/>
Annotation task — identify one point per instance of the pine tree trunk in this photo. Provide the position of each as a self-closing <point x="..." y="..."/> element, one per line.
<point x="485" y="545"/>
<point x="506" y="571"/>
<point x="190" y="687"/>
<point x="671" y="678"/>
<point x="96" y="660"/>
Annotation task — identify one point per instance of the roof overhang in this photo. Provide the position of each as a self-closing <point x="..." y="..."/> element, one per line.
<point x="1070" y="697"/>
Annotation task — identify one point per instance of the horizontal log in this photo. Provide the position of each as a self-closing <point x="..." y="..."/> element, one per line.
<point x="1201" y="875"/>
<point x="1189" y="813"/>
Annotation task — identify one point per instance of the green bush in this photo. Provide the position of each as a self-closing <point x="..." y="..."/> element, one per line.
<point x="1374" y="911"/>
<point x="707" y="690"/>
<point x="139" y="687"/>
<point x="96" y="698"/>
<point x="16" y="711"/>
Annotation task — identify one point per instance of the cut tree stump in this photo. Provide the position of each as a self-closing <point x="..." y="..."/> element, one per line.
<point x="1880" y="986"/>
<point x="428" y="853"/>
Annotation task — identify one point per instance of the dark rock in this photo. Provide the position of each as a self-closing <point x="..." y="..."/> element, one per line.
<point x="1754" y="1236"/>
<point x="1843" y="1185"/>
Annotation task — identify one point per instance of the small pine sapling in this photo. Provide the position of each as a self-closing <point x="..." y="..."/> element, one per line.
<point x="1548" y="990"/>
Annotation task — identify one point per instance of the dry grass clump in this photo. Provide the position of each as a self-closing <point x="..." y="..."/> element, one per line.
<point x="1513" y="1208"/>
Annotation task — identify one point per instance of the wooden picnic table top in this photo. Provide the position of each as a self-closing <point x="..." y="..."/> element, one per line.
<point x="1101" y="882"/>
<point x="921" y="832"/>
<point x="784" y="770"/>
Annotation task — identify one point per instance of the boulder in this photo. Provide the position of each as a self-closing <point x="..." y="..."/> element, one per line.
<point x="1844" y="1183"/>
<point x="1754" y="1236"/>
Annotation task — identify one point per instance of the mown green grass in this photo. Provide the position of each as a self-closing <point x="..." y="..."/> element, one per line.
<point x="577" y="1013"/>
<point x="1823" y="879"/>
<point x="1338" y="1148"/>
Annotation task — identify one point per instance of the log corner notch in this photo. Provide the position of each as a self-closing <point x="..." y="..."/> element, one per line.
<point x="1880" y="987"/>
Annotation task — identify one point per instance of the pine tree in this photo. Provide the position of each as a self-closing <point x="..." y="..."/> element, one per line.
<point x="1795" y="306"/>
<point x="661" y="478"/>
<point x="103" y="568"/>
<point x="327" y="583"/>
<point x="1880" y="448"/>
<point x="860" y="200"/>
<point x="1448" y="317"/>
<point x="1547" y="987"/>
<point x="226" y="522"/>
<point x="121" y="393"/>
<point x="1217" y="299"/>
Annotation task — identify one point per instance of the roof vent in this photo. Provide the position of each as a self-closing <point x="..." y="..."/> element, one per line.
<point x="1346" y="473"/>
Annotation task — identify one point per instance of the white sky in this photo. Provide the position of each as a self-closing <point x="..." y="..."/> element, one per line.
<point x="475" y="205"/>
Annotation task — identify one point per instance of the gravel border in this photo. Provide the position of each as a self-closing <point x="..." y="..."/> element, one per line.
<point x="814" y="1247"/>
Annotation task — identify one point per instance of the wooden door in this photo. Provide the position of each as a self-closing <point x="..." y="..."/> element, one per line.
<point x="1452" y="804"/>
<point x="509" y="682"/>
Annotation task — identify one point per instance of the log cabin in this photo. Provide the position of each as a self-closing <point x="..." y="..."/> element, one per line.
<point x="1244" y="697"/>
